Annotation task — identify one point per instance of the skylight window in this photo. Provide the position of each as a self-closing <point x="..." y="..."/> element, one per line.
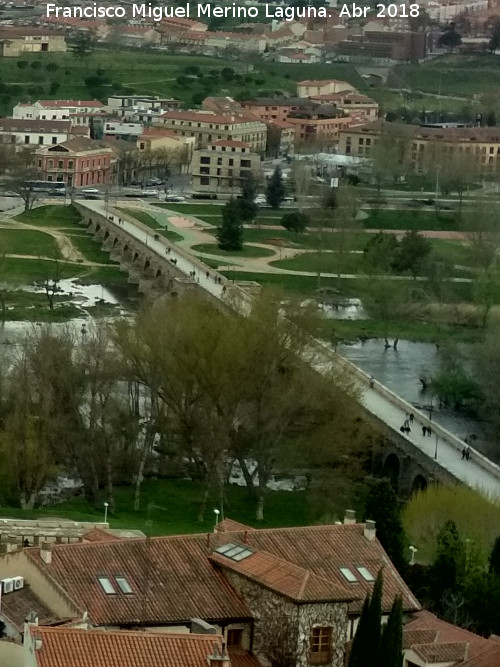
<point x="366" y="574"/>
<point x="107" y="586"/>
<point x="233" y="551"/>
<point x="350" y="576"/>
<point x="124" y="585"/>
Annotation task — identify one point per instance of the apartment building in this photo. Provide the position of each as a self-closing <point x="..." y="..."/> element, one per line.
<point x="324" y="133"/>
<point x="77" y="162"/>
<point x="280" y="138"/>
<point x="240" y="583"/>
<point x="351" y="103"/>
<point x="34" y="132"/>
<point x="127" y="106"/>
<point x="310" y="88"/>
<point x="423" y="145"/>
<point x="122" y="130"/>
<point x="280" y="108"/>
<point x="222" y="167"/>
<point x="207" y="127"/>
<point x="58" y="109"/>
<point x="16" y="41"/>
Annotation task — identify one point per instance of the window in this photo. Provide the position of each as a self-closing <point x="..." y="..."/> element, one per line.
<point x="319" y="653"/>
<point x="124" y="585"/>
<point x="233" y="551"/>
<point x="51" y="164"/>
<point x="365" y="573"/>
<point x="204" y="160"/>
<point x="107" y="586"/>
<point x="204" y="170"/>
<point x="60" y="164"/>
<point x="26" y="139"/>
<point x="40" y="140"/>
<point x="142" y="146"/>
<point x="70" y="164"/>
<point x="234" y="637"/>
<point x="205" y="180"/>
<point x="348" y="574"/>
<point x="54" y="140"/>
<point x="245" y="163"/>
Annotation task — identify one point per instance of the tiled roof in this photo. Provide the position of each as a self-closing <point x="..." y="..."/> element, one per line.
<point x="435" y="640"/>
<point x="325" y="549"/>
<point x="34" y="125"/>
<point x="284" y="578"/>
<point x="98" y="535"/>
<point x="16" y="606"/>
<point x="79" y="144"/>
<point x="171" y="574"/>
<point x="432" y="653"/>
<point x="62" y="647"/>
<point x="319" y="82"/>
<point x="184" y="584"/>
<point x="230" y="524"/>
<point x="207" y="117"/>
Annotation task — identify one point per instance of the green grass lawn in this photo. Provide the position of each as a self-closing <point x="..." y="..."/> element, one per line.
<point x="246" y="251"/>
<point x="26" y="271"/>
<point x="54" y="215"/>
<point x="108" y="276"/>
<point x="150" y="222"/>
<point x="408" y="220"/>
<point x="90" y="249"/>
<point x="327" y="262"/>
<point x="28" y="242"/>
<point x="175" y="508"/>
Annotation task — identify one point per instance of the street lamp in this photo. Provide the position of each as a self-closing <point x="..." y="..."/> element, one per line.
<point x="436" y="450"/>
<point x="216" y="512"/>
<point x="413" y="552"/>
<point x="106" y="505"/>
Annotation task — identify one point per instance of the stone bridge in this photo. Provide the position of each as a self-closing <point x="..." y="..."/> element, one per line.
<point x="410" y="460"/>
<point x="150" y="270"/>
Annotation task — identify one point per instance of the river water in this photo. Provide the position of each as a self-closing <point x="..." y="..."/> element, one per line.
<point x="400" y="370"/>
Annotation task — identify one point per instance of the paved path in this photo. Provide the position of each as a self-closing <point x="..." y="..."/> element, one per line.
<point x="478" y="472"/>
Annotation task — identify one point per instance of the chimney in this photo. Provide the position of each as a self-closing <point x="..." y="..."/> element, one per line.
<point x="350" y="517"/>
<point x="46" y="552"/>
<point x="38" y="644"/>
<point x="370" y="532"/>
<point x="219" y="658"/>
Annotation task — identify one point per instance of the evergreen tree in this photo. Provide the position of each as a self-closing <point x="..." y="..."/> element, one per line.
<point x="494" y="42"/>
<point x="495" y="558"/>
<point x="491" y="119"/>
<point x="275" y="192"/>
<point x="230" y="233"/>
<point x="361" y="652"/>
<point x="247" y="205"/>
<point x="375" y="616"/>
<point x="382" y="506"/>
<point x="391" y="646"/>
<point x="295" y="222"/>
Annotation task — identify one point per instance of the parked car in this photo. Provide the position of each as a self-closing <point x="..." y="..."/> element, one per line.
<point x="89" y="191"/>
<point x="260" y="199"/>
<point x="155" y="181"/>
<point x="175" y="198"/>
<point x="150" y="193"/>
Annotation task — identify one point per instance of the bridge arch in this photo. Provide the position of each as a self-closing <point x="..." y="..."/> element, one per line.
<point x="147" y="264"/>
<point x="115" y="241"/>
<point x="158" y="273"/>
<point x="136" y="256"/>
<point x="106" y="235"/>
<point x="419" y="484"/>
<point x="391" y="470"/>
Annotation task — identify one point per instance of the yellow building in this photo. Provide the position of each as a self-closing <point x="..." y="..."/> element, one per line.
<point x="311" y="88"/>
<point x="222" y="167"/>
<point x="207" y="127"/>
<point x="425" y="146"/>
<point x="157" y="139"/>
<point x="16" y="41"/>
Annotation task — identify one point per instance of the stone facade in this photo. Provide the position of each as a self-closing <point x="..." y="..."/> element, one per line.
<point x="285" y="628"/>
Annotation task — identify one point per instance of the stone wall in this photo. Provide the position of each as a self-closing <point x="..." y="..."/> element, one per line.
<point x="284" y="628"/>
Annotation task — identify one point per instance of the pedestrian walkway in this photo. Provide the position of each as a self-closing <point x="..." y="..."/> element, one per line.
<point x="443" y="446"/>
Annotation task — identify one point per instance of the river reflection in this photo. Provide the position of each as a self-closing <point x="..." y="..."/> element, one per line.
<point x="400" y="370"/>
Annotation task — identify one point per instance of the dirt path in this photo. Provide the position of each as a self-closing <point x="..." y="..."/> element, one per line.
<point x="68" y="251"/>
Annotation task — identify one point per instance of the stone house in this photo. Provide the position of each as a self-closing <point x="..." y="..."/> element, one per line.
<point x="289" y="593"/>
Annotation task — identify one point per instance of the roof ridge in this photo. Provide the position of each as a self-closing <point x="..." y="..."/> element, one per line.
<point x="304" y="584"/>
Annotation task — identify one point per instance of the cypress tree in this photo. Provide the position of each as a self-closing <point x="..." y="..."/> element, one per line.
<point x="391" y="646"/>
<point x="230" y="232"/>
<point x="375" y="617"/>
<point x="275" y="192"/>
<point x="495" y="558"/>
<point x="382" y="506"/>
<point x="360" y="652"/>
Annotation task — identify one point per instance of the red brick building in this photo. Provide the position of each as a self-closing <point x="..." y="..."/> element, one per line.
<point x="79" y="162"/>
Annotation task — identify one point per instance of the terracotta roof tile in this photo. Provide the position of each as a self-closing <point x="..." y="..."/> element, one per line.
<point x="99" y="535"/>
<point x="411" y="637"/>
<point x="432" y="653"/>
<point x="208" y="117"/>
<point x="284" y="578"/>
<point x="34" y="125"/>
<point x="62" y="647"/>
<point x="489" y="656"/>
<point x="229" y="524"/>
<point x="172" y="574"/>
<point x="16" y="606"/>
<point x="184" y="584"/>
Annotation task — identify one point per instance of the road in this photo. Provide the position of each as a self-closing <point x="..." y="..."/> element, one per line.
<point x="478" y="472"/>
